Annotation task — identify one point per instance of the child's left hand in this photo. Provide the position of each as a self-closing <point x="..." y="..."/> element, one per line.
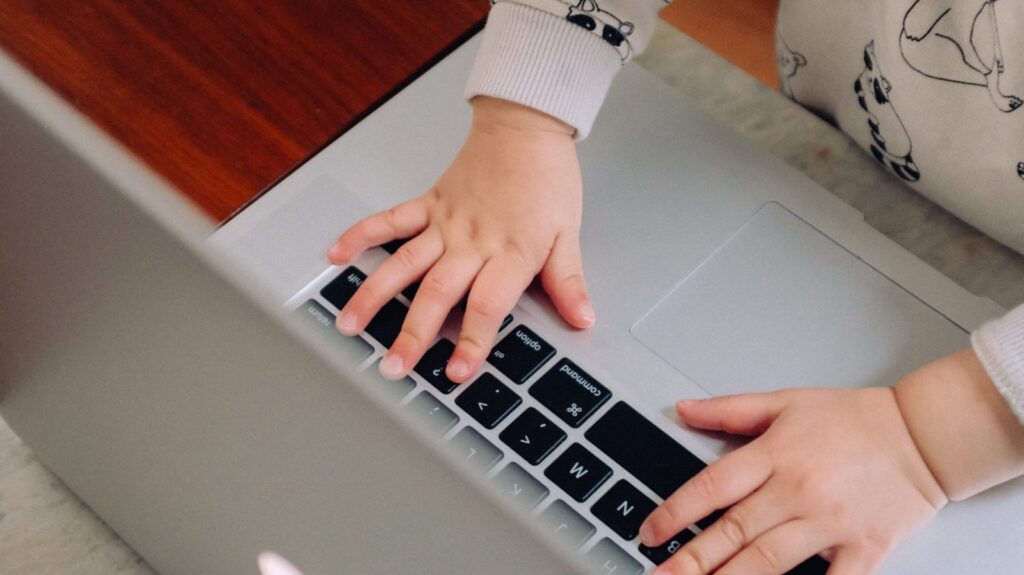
<point x="832" y="471"/>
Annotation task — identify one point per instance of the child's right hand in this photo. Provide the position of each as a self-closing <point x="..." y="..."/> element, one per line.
<point x="508" y="208"/>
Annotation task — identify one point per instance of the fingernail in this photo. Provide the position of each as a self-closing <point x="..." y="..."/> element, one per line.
<point x="458" y="368"/>
<point x="686" y="403"/>
<point x="392" y="367"/>
<point x="646" y="534"/>
<point x="662" y="571"/>
<point x="586" y="313"/>
<point x="347" y="323"/>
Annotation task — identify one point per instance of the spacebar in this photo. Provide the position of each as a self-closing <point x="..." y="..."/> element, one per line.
<point x="647" y="452"/>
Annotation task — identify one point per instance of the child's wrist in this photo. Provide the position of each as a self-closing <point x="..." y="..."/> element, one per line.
<point x="963" y="428"/>
<point x="497" y="114"/>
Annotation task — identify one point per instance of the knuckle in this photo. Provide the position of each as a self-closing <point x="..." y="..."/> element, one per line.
<point x="391" y="217"/>
<point x="518" y="253"/>
<point x="435" y="288"/>
<point x="485" y="306"/>
<point x="734" y="528"/>
<point x="705" y="483"/>
<point x="697" y="557"/>
<point x="473" y="344"/>
<point x="407" y="256"/>
<point x="765" y="558"/>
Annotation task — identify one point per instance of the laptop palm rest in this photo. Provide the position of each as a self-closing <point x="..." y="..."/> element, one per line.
<point x="782" y="305"/>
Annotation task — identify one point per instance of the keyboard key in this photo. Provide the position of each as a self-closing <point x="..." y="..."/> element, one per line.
<point x="394" y="390"/>
<point x="352" y="350"/>
<point x="660" y="554"/>
<point x="516" y="484"/>
<point x="813" y="566"/>
<point x="643" y="450"/>
<point x="505" y="322"/>
<point x="520" y="354"/>
<point x="341" y="288"/>
<point x="578" y="472"/>
<point x="392" y="246"/>
<point x="386" y="325"/>
<point x="566" y="525"/>
<point x="410" y="291"/>
<point x="623" y="509"/>
<point x="432" y="413"/>
<point x="431" y="366"/>
<point x="488" y="400"/>
<point x="472" y="446"/>
<point x="606" y="558"/>
<point x="532" y="436"/>
<point x="570" y="393"/>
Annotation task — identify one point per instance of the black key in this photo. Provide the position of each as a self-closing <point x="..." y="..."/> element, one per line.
<point x="341" y="288"/>
<point x="488" y="400"/>
<point x="392" y="246"/>
<point x="569" y="392"/>
<point x="532" y="436"/>
<point x="813" y="566"/>
<point x="644" y="450"/>
<point x="385" y="326"/>
<point x="410" y="292"/>
<point x="505" y="322"/>
<point x="623" y="509"/>
<point x="520" y="354"/>
<point x="660" y="554"/>
<point x="578" y="472"/>
<point x="431" y="366"/>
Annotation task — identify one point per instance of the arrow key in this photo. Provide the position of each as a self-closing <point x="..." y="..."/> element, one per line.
<point x="488" y="400"/>
<point x="532" y="436"/>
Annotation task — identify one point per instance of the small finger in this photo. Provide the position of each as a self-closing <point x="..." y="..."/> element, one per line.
<point x="402" y="221"/>
<point x="717" y="486"/>
<point x="743" y="414"/>
<point x="441" y="289"/>
<point x="407" y="265"/>
<point x="562" y="278"/>
<point x="779" y="550"/>
<point x="495" y="292"/>
<point x="737" y="529"/>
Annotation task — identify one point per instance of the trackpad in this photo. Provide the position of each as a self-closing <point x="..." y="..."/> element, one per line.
<point x="782" y="305"/>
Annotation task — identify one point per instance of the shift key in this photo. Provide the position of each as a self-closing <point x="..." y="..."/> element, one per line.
<point x="520" y="354"/>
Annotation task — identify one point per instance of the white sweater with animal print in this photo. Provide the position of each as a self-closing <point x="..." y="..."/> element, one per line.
<point x="929" y="88"/>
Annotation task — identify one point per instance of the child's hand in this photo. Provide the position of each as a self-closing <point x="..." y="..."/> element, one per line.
<point x="832" y="471"/>
<point x="507" y="208"/>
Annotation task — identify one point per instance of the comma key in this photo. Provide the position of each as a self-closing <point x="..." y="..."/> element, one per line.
<point x="520" y="354"/>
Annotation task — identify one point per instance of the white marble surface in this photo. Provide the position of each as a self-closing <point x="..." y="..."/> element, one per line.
<point x="45" y="529"/>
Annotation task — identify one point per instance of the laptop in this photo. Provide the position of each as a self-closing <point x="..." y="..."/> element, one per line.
<point x="188" y="385"/>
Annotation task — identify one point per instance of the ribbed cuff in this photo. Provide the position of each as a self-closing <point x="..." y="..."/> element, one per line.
<point x="999" y="345"/>
<point x="537" y="59"/>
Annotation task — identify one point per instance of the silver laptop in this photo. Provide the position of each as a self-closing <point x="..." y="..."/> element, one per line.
<point x="189" y="385"/>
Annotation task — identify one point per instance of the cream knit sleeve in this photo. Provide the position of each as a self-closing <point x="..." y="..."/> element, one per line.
<point x="558" y="56"/>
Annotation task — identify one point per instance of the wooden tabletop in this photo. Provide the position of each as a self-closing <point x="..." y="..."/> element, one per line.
<point x="223" y="97"/>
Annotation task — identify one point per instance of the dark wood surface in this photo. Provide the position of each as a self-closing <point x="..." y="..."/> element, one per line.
<point x="223" y="97"/>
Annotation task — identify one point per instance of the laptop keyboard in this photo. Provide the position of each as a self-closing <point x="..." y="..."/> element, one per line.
<point x="589" y="492"/>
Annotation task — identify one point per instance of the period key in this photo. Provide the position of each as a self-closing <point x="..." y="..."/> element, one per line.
<point x="570" y="393"/>
<point x="520" y="354"/>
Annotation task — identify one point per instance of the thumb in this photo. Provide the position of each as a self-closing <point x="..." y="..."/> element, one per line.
<point x="744" y="414"/>
<point x="562" y="278"/>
